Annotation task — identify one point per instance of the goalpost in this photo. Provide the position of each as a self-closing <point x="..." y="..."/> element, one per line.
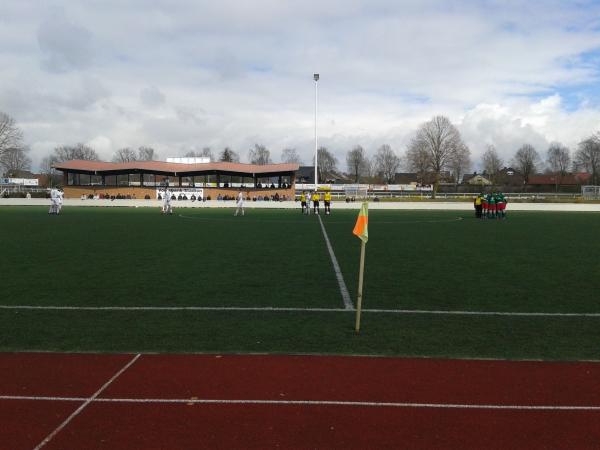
<point x="590" y="192"/>
<point x="356" y="191"/>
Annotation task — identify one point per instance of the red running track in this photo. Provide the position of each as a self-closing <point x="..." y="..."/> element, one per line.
<point x="201" y="401"/>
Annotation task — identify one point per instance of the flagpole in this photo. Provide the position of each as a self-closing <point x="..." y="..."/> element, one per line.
<point x="361" y="230"/>
<point x="360" y="285"/>
<point x="316" y="78"/>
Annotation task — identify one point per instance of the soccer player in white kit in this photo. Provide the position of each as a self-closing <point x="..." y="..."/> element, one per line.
<point x="167" y="209"/>
<point x="239" y="203"/>
<point x="60" y="196"/>
<point x="53" y="201"/>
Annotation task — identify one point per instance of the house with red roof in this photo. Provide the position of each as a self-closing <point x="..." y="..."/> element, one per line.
<point x="557" y="181"/>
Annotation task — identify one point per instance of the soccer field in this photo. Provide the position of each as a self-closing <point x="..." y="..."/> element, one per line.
<point x="437" y="283"/>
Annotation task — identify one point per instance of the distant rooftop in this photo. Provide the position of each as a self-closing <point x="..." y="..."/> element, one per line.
<point x="173" y="168"/>
<point x="190" y="160"/>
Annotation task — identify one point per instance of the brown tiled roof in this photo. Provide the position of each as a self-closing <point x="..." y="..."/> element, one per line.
<point x="179" y="168"/>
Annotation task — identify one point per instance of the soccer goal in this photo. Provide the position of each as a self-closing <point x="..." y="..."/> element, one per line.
<point x="356" y="191"/>
<point x="590" y="192"/>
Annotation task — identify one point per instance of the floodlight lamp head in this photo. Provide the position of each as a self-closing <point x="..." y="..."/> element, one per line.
<point x="316" y="77"/>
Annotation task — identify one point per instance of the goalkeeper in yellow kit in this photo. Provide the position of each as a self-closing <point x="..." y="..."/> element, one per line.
<point x="327" y="200"/>
<point x="315" y="199"/>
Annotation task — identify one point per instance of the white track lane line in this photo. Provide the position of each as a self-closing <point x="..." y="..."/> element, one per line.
<point x="87" y="402"/>
<point x="188" y="401"/>
<point x="275" y="309"/>
<point x="338" y="273"/>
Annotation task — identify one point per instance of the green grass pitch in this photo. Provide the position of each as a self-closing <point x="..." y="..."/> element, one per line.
<point x="415" y="260"/>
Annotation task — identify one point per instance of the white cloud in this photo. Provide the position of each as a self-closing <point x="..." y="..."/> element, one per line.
<point x="152" y="96"/>
<point x="180" y="75"/>
<point x="102" y="144"/>
<point x="64" y="45"/>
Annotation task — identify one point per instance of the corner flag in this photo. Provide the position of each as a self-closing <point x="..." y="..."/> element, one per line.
<point x="361" y="229"/>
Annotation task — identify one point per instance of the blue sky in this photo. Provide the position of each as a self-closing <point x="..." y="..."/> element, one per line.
<point x="181" y="75"/>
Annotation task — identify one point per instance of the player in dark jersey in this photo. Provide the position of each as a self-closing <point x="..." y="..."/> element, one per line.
<point x="491" y="199"/>
<point x="501" y="205"/>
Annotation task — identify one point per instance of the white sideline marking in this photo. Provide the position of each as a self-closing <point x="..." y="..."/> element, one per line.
<point x="480" y="313"/>
<point x="87" y="402"/>
<point x="274" y="309"/>
<point x="172" y="308"/>
<point x="338" y="273"/>
<point x="305" y="403"/>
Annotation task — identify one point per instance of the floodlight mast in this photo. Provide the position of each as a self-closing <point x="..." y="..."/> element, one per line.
<point x="316" y="78"/>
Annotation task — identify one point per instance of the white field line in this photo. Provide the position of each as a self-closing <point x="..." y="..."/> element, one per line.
<point x="86" y="403"/>
<point x="190" y="401"/>
<point x="274" y="309"/>
<point x="338" y="273"/>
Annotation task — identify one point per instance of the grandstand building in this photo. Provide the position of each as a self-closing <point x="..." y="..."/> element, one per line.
<point x="146" y="179"/>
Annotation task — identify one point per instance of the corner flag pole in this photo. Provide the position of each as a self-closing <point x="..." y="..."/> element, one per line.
<point x="360" y="285"/>
<point x="361" y="230"/>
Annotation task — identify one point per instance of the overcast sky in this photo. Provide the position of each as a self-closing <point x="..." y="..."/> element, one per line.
<point x="180" y="75"/>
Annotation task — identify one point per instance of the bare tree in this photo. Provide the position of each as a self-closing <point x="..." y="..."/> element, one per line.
<point x="290" y="155"/>
<point x="460" y="162"/>
<point x="439" y="140"/>
<point x="417" y="160"/>
<point x="368" y="171"/>
<point x="11" y="137"/>
<point x="357" y="162"/>
<point x="492" y="163"/>
<point x="327" y="164"/>
<point x="259" y="155"/>
<point x="526" y="160"/>
<point x="386" y="163"/>
<point x="77" y="151"/>
<point x="588" y="156"/>
<point x="46" y="165"/>
<point x="559" y="160"/>
<point x="124" y="155"/>
<point x="228" y="155"/>
<point x="15" y="160"/>
<point x="52" y="177"/>
<point x="146" y="154"/>
<point x="206" y="152"/>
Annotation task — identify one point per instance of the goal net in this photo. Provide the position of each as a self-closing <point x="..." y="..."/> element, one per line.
<point x="356" y="191"/>
<point x="590" y="192"/>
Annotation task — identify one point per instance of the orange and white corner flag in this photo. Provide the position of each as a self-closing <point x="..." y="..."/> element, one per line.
<point x="361" y="229"/>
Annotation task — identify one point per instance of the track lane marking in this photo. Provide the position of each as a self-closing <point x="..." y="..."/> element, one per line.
<point x="301" y="403"/>
<point x="87" y="401"/>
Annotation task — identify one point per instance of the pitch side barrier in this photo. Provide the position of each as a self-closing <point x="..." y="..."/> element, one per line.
<point x="390" y="192"/>
<point x="463" y="206"/>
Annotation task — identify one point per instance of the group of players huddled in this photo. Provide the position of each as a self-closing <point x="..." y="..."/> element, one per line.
<point x="56" y="201"/>
<point x="315" y="197"/>
<point x="490" y="206"/>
